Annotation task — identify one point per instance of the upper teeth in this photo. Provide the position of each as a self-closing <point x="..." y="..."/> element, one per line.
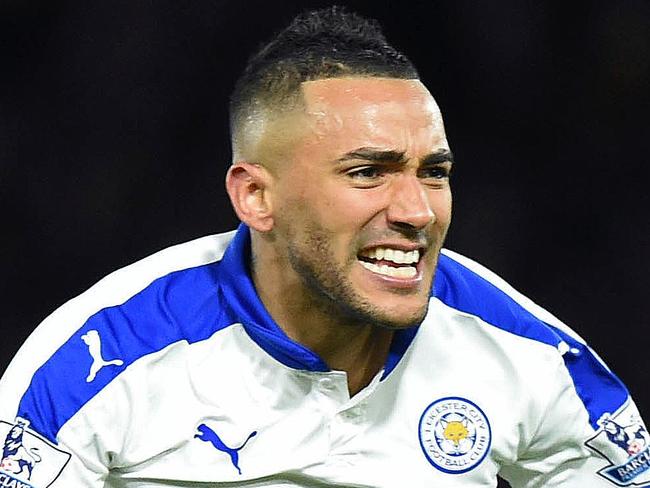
<point x="395" y="255"/>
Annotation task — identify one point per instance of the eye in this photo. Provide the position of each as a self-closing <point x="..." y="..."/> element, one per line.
<point x="437" y="172"/>
<point x="364" y="173"/>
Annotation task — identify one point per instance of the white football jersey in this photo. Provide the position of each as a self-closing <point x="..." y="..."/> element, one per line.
<point x="171" y="373"/>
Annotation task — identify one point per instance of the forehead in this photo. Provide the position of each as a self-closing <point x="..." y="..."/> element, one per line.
<point x="345" y="92"/>
<point x="387" y="113"/>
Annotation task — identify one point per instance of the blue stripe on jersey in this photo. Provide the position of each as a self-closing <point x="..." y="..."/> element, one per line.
<point x="188" y="305"/>
<point x="598" y="388"/>
<point x="239" y="290"/>
<point x="180" y="306"/>
<point x="193" y="304"/>
<point x="401" y="341"/>
<point x="246" y="307"/>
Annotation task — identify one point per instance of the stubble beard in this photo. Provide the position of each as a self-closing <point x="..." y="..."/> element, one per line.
<point x="330" y="289"/>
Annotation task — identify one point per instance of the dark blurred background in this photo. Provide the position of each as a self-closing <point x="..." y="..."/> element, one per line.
<point x="114" y="144"/>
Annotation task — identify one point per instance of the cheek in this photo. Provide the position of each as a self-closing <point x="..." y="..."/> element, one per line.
<point x="331" y="203"/>
<point x="347" y="210"/>
<point x="441" y="204"/>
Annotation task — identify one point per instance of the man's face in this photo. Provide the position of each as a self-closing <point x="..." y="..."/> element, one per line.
<point x="363" y="203"/>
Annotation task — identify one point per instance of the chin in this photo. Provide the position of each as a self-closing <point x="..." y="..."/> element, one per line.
<point x="395" y="318"/>
<point x="403" y="321"/>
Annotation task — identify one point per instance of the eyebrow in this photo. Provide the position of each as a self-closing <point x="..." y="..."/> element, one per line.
<point x="399" y="157"/>
<point x="374" y="155"/>
<point x="441" y="156"/>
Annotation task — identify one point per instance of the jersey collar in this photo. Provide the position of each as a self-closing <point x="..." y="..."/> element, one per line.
<point x="245" y="306"/>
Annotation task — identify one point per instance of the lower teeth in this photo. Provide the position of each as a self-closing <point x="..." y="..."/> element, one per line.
<point x="384" y="269"/>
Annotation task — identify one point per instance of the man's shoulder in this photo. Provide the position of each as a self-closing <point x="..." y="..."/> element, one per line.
<point x="134" y="311"/>
<point x="161" y="270"/>
<point x="470" y="289"/>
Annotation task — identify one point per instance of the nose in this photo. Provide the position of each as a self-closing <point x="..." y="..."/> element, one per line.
<point x="409" y="206"/>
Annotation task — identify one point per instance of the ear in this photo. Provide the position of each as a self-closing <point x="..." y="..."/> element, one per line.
<point x="248" y="187"/>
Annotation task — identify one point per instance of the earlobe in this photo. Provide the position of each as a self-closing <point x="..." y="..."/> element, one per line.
<point x="248" y="187"/>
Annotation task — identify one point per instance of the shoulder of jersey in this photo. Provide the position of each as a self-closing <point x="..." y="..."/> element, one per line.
<point x="115" y="321"/>
<point x="470" y="288"/>
<point x="173" y="295"/>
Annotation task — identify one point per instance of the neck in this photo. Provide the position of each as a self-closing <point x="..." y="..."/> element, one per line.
<point x="359" y="349"/>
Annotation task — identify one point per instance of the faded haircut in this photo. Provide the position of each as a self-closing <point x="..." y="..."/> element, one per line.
<point x="325" y="43"/>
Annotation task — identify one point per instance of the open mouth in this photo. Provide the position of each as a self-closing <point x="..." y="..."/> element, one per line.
<point x="392" y="262"/>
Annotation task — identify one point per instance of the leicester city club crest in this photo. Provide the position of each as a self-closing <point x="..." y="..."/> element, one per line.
<point x="455" y="435"/>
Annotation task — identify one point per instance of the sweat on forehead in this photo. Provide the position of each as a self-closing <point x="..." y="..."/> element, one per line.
<point x="385" y="113"/>
<point x="354" y="104"/>
<point x="347" y="92"/>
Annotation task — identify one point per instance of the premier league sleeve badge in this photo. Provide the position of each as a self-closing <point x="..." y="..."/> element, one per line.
<point x="623" y="441"/>
<point x="28" y="460"/>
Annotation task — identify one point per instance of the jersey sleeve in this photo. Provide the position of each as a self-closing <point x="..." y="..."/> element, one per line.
<point x="582" y="429"/>
<point x="65" y="412"/>
<point x="52" y="435"/>
<point x="34" y="453"/>
<point x="590" y="435"/>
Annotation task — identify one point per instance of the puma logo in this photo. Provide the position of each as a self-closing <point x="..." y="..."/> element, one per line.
<point x="94" y="343"/>
<point x="206" y="434"/>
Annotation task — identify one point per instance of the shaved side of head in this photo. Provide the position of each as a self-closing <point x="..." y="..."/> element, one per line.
<point x="266" y="104"/>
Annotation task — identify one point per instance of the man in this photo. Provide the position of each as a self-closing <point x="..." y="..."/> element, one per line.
<point x="313" y="346"/>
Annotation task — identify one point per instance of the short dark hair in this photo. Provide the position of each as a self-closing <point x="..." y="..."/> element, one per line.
<point x="325" y="43"/>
